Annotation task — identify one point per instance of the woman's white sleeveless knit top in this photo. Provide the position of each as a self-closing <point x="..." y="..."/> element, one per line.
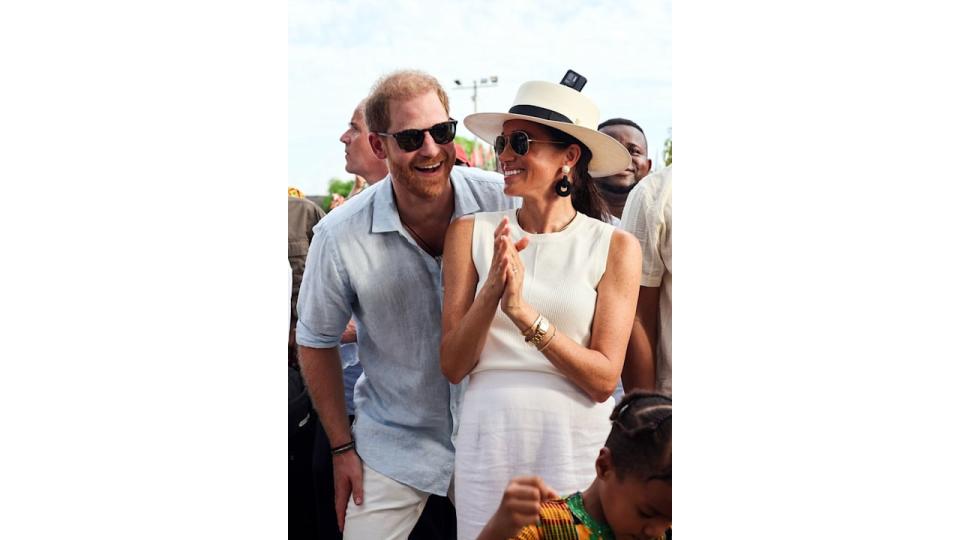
<point x="562" y="271"/>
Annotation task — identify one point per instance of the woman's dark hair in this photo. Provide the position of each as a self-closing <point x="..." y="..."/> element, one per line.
<point x="586" y="197"/>
<point x="641" y="441"/>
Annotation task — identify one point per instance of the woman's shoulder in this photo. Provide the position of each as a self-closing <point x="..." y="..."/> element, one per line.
<point x="598" y="227"/>
<point x="494" y="214"/>
<point x="484" y="219"/>
<point x="477" y="222"/>
<point x="611" y="243"/>
<point x="462" y="225"/>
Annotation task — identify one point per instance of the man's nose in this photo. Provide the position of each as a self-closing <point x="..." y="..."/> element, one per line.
<point x="430" y="146"/>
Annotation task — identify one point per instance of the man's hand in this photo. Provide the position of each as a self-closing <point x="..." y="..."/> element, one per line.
<point x="324" y="376"/>
<point x="350" y="334"/>
<point x="519" y="507"/>
<point x="347" y="482"/>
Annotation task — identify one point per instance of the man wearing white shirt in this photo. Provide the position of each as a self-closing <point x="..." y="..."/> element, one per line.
<point x="648" y="214"/>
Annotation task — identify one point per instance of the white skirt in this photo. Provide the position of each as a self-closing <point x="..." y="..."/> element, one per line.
<point x="522" y="423"/>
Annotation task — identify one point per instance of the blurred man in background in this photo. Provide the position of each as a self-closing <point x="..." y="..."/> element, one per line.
<point x="648" y="214"/>
<point x="615" y="189"/>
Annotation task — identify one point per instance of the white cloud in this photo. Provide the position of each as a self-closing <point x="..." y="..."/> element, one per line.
<point x="338" y="49"/>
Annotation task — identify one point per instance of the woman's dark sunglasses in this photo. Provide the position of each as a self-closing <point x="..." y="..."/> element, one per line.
<point x="519" y="142"/>
<point x="412" y="139"/>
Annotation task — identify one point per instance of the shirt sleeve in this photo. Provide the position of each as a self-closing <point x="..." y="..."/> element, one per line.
<point x="316" y="214"/>
<point x="326" y="295"/>
<point x="643" y="217"/>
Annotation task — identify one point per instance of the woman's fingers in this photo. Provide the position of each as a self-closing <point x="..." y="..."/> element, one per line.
<point x="524" y="242"/>
<point x="502" y="228"/>
<point x="507" y="264"/>
<point x="510" y="261"/>
<point x="512" y="251"/>
<point x="500" y="246"/>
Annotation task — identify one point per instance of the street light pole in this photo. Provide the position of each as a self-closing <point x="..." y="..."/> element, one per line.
<point x="474" y="96"/>
<point x="485" y="82"/>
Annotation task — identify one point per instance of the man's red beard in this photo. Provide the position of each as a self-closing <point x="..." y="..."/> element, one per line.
<point x="423" y="188"/>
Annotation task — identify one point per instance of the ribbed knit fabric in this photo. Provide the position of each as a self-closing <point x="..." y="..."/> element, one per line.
<point x="520" y="415"/>
<point x="562" y="270"/>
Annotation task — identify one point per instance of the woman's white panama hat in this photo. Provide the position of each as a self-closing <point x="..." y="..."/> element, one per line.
<point x="559" y="107"/>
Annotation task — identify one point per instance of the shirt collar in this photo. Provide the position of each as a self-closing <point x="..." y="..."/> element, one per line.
<point x="464" y="201"/>
<point x="386" y="218"/>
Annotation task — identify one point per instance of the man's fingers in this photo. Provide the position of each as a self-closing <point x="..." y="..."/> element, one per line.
<point x="357" y="486"/>
<point x="348" y="482"/>
<point x="340" y="503"/>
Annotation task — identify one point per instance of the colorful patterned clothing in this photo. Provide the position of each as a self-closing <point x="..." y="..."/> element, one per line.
<point x="565" y="519"/>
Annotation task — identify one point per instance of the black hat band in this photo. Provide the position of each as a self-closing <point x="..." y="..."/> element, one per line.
<point x="539" y="112"/>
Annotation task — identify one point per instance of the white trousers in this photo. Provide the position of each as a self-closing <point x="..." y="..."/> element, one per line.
<point x="390" y="510"/>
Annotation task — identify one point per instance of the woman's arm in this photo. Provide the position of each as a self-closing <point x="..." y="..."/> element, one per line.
<point x="595" y="369"/>
<point x="467" y="316"/>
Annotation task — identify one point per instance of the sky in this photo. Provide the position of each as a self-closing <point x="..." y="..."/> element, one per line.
<point x="338" y="49"/>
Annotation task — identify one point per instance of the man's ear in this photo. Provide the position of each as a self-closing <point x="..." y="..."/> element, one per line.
<point x="649" y="165"/>
<point x="376" y="144"/>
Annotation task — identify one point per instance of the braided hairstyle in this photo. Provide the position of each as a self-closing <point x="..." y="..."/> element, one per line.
<point x="641" y="441"/>
<point x="586" y="197"/>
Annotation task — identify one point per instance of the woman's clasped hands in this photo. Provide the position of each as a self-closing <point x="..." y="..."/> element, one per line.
<point x="505" y="277"/>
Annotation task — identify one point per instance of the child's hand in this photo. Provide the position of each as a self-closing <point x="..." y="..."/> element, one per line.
<point x="519" y="507"/>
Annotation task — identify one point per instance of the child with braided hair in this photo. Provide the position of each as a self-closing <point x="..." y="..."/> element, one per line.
<point x="631" y="496"/>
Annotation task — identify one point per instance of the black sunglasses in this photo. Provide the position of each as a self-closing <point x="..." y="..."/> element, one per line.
<point x="412" y="139"/>
<point x="519" y="142"/>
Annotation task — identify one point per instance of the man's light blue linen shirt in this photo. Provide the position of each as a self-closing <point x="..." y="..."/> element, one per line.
<point x="363" y="262"/>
